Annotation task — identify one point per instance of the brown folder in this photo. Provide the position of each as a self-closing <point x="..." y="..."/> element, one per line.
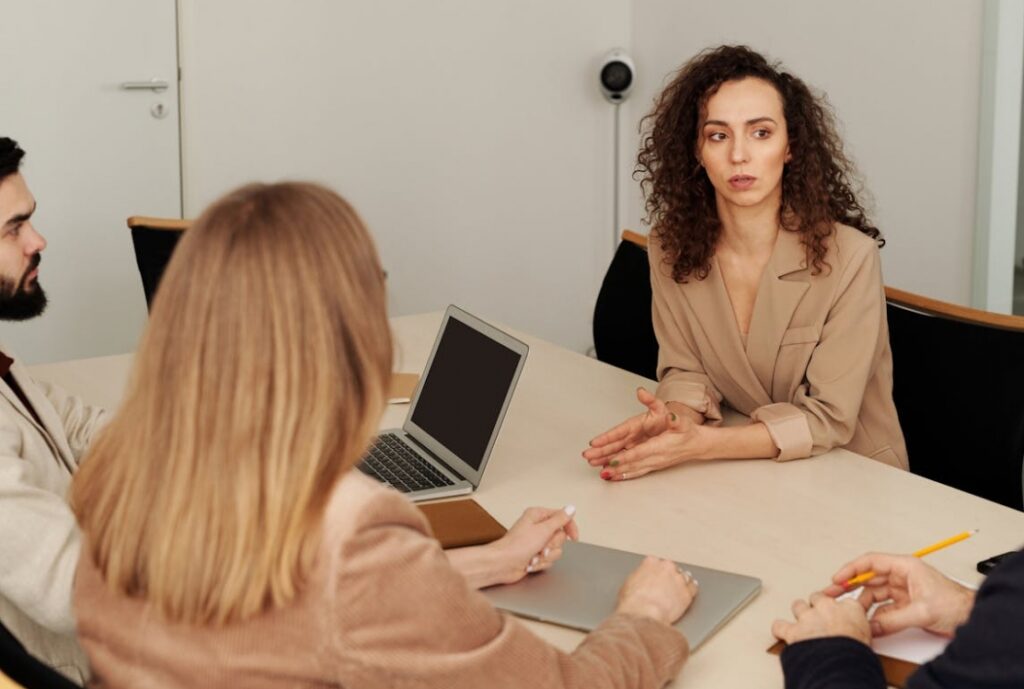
<point x="460" y="523"/>
<point x="896" y="671"/>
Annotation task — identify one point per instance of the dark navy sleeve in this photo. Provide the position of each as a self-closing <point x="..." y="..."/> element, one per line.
<point x="988" y="650"/>
<point x="836" y="662"/>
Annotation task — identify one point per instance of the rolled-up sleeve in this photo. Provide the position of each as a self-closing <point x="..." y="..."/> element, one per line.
<point x="825" y="407"/>
<point x="681" y="375"/>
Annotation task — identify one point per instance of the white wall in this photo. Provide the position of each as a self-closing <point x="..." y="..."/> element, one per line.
<point x="95" y="155"/>
<point x="474" y="141"/>
<point x="470" y="135"/>
<point x="903" y="78"/>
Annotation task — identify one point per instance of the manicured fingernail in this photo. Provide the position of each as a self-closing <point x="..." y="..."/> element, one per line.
<point x="570" y="510"/>
<point x="614" y="463"/>
<point x="673" y="416"/>
<point x="688" y="573"/>
<point x="534" y="560"/>
<point x="529" y="568"/>
<point x="606" y="475"/>
<point x="547" y="551"/>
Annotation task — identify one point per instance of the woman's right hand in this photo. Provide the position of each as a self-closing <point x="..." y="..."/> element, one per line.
<point x="657" y="589"/>
<point x="631" y="432"/>
<point x="920" y="595"/>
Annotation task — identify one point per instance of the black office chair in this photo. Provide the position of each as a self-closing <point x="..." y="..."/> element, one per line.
<point x="623" y="330"/>
<point x="154" y="240"/>
<point x="27" y="672"/>
<point x="958" y="384"/>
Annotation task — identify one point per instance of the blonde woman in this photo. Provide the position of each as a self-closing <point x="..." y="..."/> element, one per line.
<point x="228" y="541"/>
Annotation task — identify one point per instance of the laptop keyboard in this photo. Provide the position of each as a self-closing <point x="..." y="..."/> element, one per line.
<point x="392" y="462"/>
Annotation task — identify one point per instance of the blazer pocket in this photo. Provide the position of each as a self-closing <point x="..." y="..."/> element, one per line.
<point x="801" y="335"/>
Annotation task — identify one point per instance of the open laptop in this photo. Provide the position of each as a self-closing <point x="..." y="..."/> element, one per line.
<point x="455" y="412"/>
<point x="582" y="589"/>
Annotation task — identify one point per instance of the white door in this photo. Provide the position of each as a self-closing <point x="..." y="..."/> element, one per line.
<point x="96" y="153"/>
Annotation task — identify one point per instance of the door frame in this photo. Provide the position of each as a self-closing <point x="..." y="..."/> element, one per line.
<point x="999" y="154"/>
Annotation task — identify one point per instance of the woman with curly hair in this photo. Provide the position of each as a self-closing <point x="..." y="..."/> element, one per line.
<point x="766" y="279"/>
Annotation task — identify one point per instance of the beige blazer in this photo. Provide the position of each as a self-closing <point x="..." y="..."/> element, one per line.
<point x="381" y="608"/>
<point x="39" y="539"/>
<point x="816" y="368"/>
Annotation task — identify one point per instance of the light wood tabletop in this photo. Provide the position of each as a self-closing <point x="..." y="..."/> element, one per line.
<point x="790" y="524"/>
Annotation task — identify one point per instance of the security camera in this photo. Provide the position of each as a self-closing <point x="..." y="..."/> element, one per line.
<point x="616" y="76"/>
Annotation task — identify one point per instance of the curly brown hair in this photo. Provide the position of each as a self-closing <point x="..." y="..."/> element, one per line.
<point x="817" y="184"/>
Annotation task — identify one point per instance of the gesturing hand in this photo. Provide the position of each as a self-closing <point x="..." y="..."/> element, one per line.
<point x="631" y="432"/>
<point x="654" y="440"/>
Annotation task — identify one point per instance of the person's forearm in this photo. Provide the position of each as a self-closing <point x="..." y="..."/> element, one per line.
<point x="736" y="442"/>
<point x="480" y="565"/>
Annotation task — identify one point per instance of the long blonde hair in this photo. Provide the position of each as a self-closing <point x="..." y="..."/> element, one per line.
<point x="257" y="384"/>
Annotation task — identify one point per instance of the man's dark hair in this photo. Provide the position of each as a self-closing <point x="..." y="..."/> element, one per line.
<point x="10" y="156"/>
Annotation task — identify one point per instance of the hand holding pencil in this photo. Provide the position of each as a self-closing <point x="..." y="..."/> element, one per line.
<point x="913" y="594"/>
<point x="866" y="576"/>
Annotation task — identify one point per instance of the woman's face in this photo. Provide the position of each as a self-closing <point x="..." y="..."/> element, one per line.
<point x="742" y="143"/>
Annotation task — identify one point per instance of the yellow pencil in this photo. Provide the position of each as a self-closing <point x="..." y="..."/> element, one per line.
<point x="867" y="576"/>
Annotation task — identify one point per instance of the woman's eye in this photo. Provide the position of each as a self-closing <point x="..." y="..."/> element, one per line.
<point x="716" y="136"/>
<point x="762" y="133"/>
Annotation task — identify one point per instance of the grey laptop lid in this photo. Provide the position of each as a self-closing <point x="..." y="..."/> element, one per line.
<point x="582" y="588"/>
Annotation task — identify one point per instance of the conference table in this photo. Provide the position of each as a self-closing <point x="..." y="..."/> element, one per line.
<point x="791" y="524"/>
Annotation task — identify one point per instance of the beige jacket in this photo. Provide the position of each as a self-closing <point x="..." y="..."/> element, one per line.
<point x="816" y="368"/>
<point x="381" y="608"/>
<point x="39" y="540"/>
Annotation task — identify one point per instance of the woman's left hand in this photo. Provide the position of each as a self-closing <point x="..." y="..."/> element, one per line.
<point x="823" y="616"/>
<point x="675" y="445"/>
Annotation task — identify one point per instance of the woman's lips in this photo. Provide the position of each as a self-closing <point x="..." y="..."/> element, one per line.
<point x="741" y="182"/>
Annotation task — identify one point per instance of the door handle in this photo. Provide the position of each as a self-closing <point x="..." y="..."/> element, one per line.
<point x="151" y="85"/>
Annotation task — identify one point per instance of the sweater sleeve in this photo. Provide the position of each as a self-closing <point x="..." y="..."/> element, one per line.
<point x="406" y="618"/>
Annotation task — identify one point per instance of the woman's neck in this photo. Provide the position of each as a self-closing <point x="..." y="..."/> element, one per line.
<point x="748" y="231"/>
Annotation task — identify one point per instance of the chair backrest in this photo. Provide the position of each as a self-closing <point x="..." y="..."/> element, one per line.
<point x="20" y="670"/>
<point x="958" y="384"/>
<point x="154" y="240"/>
<point x="623" y="330"/>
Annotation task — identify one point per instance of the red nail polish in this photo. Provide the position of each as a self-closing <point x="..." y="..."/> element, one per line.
<point x="606" y="475"/>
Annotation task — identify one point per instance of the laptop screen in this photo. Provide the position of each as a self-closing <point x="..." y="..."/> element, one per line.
<point x="462" y="396"/>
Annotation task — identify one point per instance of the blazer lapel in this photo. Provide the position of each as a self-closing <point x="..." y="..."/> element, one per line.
<point x="52" y="429"/>
<point x="709" y="296"/>
<point x="778" y="295"/>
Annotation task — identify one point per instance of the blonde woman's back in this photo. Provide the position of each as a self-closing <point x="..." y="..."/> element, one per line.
<point x="381" y="607"/>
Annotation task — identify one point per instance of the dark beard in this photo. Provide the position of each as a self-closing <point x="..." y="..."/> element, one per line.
<point x="21" y="302"/>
